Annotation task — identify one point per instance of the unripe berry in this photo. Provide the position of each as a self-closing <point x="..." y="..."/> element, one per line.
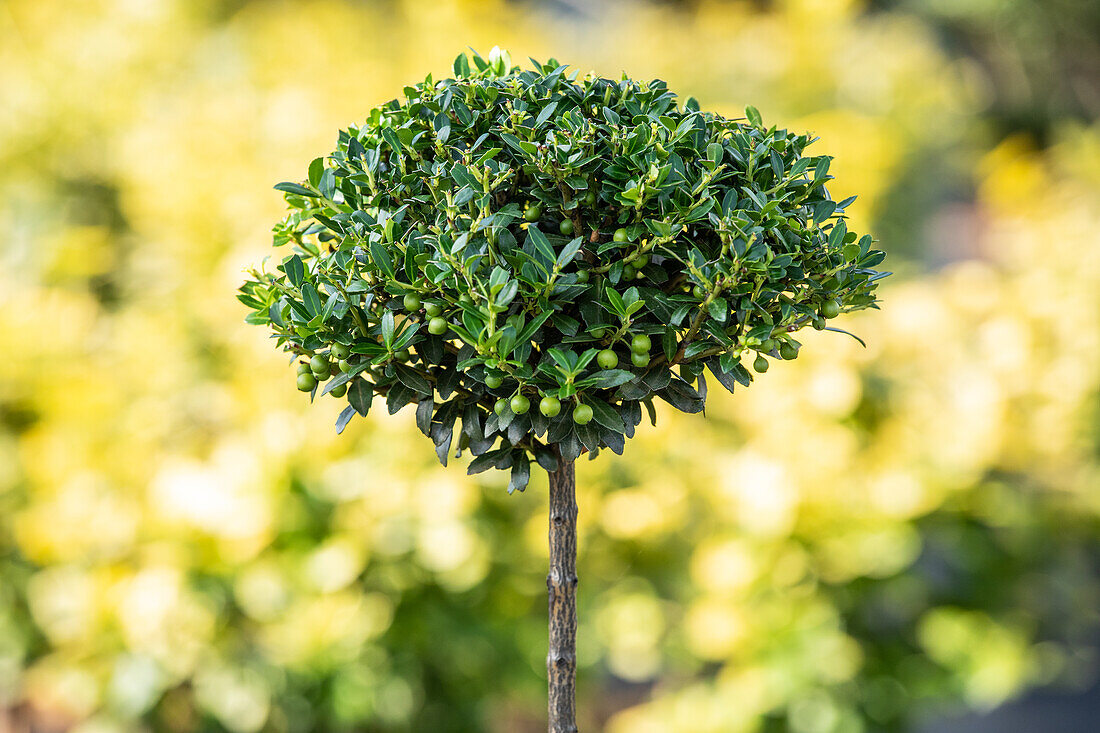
<point x="520" y="404"/>
<point x="582" y="414"/>
<point x="437" y="326"/>
<point x="761" y="364"/>
<point x="550" y="406"/>
<point x="411" y="301"/>
<point x="830" y="309"/>
<point x="306" y="382"/>
<point x="641" y="344"/>
<point x="607" y="359"/>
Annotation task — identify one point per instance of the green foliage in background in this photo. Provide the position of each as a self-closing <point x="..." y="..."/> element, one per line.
<point x="878" y="536"/>
<point x="422" y="268"/>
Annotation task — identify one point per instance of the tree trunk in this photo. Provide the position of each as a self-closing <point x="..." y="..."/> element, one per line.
<point x="561" y="583"/>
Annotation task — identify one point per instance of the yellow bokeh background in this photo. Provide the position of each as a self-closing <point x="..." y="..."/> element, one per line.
<point x="187" y="545"/>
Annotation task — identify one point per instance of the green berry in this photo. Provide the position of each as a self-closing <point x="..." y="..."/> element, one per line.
<point x="533" y="213"/>
<point x="402" y="355"/>
<point x="639" y="360"/>
<point x="818" y="323"/>
<point x="303" y="368"/>
<point x="830" y="309"/>
<point x="582" y="414"/>
<point x="761" y="364"/>
<point x="769" y="345"/>
<point x="306" y="382"/>
<point x="465" y="299"/>
<point x="339" y="351"/>
<point x="520" y="404"/>
<point x="566" y="227"/>
<point x="319" y="363"/>
<point x="641" y="343"/>
<point x="500" y="406"/>
<point x="437" y="326"/>
<point x="620" y="235"/>
<point x="590" y="198"/>
<point x="411" y="302"/>
<point x="640" y="261"/>
<point x="787" y="350"/>
<point x="339" y="391"/>
<point x="550" y="406"/>
<point x="629" y="273"/>
<point x="421" y="227"/>
<point x="607" y="359"/>
<point x="698" y="292"/>
<point x="344" y="365"/>
<point x="492" y="381"/>
<point x="433" y="309"/>
<point x="582" y="277"/>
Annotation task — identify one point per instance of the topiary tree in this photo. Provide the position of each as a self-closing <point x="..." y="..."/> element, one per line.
<point x="529" y="258"/>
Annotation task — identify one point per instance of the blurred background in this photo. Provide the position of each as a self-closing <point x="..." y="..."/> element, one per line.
<point x="898" y="538"/>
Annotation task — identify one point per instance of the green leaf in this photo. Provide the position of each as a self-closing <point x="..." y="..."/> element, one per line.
<point x="413" y="379"/>
<point x="311" y="299"/>
<point x="382" y="258"/>
<point x="344" y="418"/>
<point x="606" y="379"/>
<point x="334" y="383"/>
<point x="295" y="270"/>
<point x="316" y="168"/>
<point x="544" y="115"/>
<point x="521" y="472"/>
<point x="391" y="139"/>
<point x="387" y="328"/>
<point x="606" y="415"/>
<point x="424" y="410"/>
<point x="569" y="252"/>
<point x="616" y="302"/>
<point x="541" y="244"/>
<point x="718" y="309"/>
<point x="361" y="395"/>
<point x="753" y="115"/>
<point x="296" y="188"/>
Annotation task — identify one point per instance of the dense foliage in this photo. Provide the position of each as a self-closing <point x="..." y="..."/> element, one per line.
<point x="513" y="238"/>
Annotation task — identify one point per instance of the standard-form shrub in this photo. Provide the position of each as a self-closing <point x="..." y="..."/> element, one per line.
<point x="531" y="257"/>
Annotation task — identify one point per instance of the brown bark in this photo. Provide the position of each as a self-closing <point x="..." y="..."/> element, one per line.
<point x="561" y="583"/>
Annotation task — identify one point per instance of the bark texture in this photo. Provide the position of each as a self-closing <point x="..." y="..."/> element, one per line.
<point x="561" y="583"/>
